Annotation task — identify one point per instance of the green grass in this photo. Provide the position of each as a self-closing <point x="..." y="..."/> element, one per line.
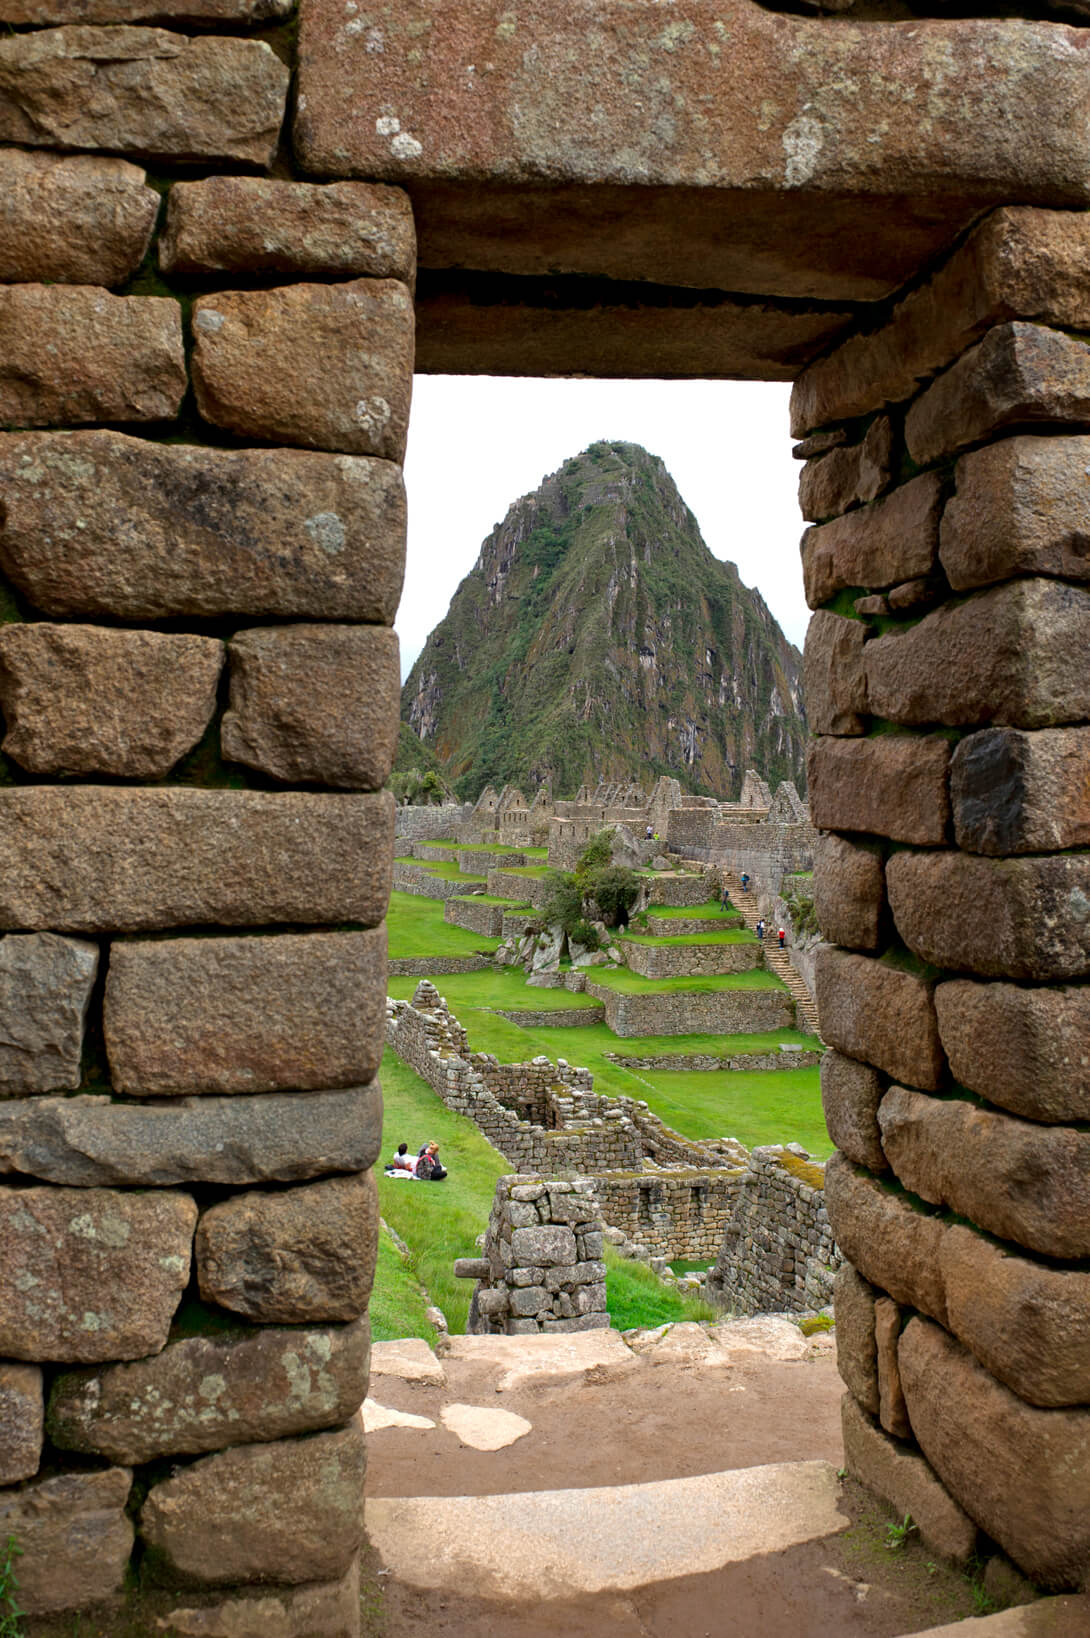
<point x="681" y="1266"/>
<point x="427" y="841"/>
<point x="636" y="1296"/>
<point x="732" y="935"/>
<point x="754" y="1106"/>
<point x="630" y="983"/>
<point x="503" y="847"/>
<point x="397" y="1302"/>
<point x="437" y="1221"/>
<point x="710" y="908"/>
<point x="415" y="928"/>
<point x="444" y="869"/>
<point x="534" y="872"/>
<point x="496" y="987"/>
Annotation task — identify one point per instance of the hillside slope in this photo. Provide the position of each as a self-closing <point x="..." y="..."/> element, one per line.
<point x="597" y="638"/>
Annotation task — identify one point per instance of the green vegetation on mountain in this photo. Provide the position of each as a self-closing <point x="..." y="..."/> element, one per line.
<point x="598" y="638"/>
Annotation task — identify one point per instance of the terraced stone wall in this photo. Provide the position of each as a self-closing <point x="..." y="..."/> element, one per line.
<point x="677" y="1215"/>
<point x="946" y="674"/>
<point x="777" y="1253"/>
<point x="541" y="1266"/>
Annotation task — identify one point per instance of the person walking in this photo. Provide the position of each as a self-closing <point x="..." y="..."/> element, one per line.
<point x="781" y="935"/>
<point x="761" y="928"/>
<point x="745" y="882"/>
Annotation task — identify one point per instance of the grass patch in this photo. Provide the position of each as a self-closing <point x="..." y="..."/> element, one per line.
<point x="496" y="987"/>
<point x="681" y="912"/>
<point x="445" y="870"/>
<point x="732" y="935"/>
<point x="397" y="1302"/>
<point x="754" y="1106"/>
<point x="437" y="1221"/>
<point x="415" y="927"/>
<point x="681" y="1266"/>
<point x="630" y="983"/>
<point x="637" y="1297"/>
<point x="534" y="872"/>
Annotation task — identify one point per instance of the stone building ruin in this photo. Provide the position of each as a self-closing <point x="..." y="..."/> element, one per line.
<point x="210" y="309"/>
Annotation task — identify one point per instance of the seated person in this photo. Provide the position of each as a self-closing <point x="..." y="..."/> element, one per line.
<point x="429" y="1169"/>
<point x="402" y="1161"/>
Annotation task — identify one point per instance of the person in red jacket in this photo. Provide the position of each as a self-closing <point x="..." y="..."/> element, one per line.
<point x="781" y="935"/>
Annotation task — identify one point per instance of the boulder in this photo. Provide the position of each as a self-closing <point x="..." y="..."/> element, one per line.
<point x="325" y="366"/>
<point x="835" y="685"/>
<point x="888" y="1238"/>
<point x="91" y="700"/>
<point x="1018" y="792"/>
<point x="94" y="858"/>
<point x="74" y="353"/>
<point x="892" y="539"/>
<point x="273" y="1138"/>
<point x="893" y="785"/>
<point x="902" y="1478"/>
<point x="326" y="1610"/>
<point x="74" y="1535"/>
<point x="849" y="473"/>
<point x="548" y="1246"/>
<point x="90" y="1274"/>
<point x="237" y="1386"/>
<point x="314" y="704"/>
<point x="143" y="91"/>
<point x="291" y="1011"/>
<point x="297" y="1256"/>
<point x="881" y="1014"/>
<point x="22" y="1411"/>
<point x="220" y="531"/>
<point x="1022" y="507"/>
<point x="849" y="891"/>
<point x="1024" y="1472"/>
<point x="288" y="1512"/>
<point x="72" y="218"/>
<point x="850" y="1095"/>
<point x="249" y="224"/>
<point x="1023" y="1048"/>
<point x="45" y="987"/>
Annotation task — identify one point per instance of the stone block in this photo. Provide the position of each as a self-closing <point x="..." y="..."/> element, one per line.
<point x="91" y="1142"/>
<point x="240" y="1387"/>
<point x="1022" y="507"/>
<point x="590" y="1300"/>
<point x="90" y="1274"/>
<point x="45" y="987"/>
<point x="289" y="1512"/>
<point x="327" y="366"/>
<point x="603" y="113"/>
<point x="1020" y="262"/>
<point x="1024" y="1471"/>
<point x="893" y="539"/>
<point x="1000" y="918"/>
<point x="329" y="1609"/>
<point x="549" y="1246"/>
<point x="1018" y="792"/>
<point x="294" y="1011"/>
<point x="893" y="785"/>
<point x="247" y="224"/>
<point x="93" y="858"/>
<point x="41" y="12"/>
<point x="22" y="1410"/>
<point x="91" y="700"/>
<point x="881" y="1014"/>
<point x="887" y="1329"/>
<point x="835" y="683"/>
<point x="1014" y="655"/>
<point x="1022" y="1048"/>
<point x="72" y="218"/>
<point x="1027" y="1322"/>
<point x="1022" y="1181"/>
<point x="892" y="1241"/>
<point x="589" y="1273"/>
<point x="856" y="1357"/>
<point x="1019" y="374"/>
<point x="848" y="474"/>
<point x="850" y="1095"/>
<point x="75" y="1538"/>
<point x="294" y="1257"/>
<point x="527" y="1300"/>
<point x="73" y="353"/>
<point x="145" y="92"/>
<point x="849" y="891"/>
<point x="220" y="531"/>
<point x="903" y="1479"/>
<point x="315" y="704"/>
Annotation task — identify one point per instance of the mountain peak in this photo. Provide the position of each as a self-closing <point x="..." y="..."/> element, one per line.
<point x="597" y="637"/>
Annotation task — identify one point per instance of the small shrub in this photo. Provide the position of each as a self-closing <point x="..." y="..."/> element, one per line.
<point x="583" y="933"/>
<point x="614" y="890"/>
<point x="10" y="1612"/>
<point x="563" y="902"/>
<point x="597" y="854"/>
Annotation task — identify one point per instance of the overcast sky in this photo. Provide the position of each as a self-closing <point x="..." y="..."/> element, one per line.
<point x="476" y="443"/>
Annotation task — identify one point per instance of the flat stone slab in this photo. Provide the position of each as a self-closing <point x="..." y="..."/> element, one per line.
<point x="1067" y="1616"/>
<point x="482" y="1428"/>
<point x="562" y="1543"/>
<point x="411" y="1359"/>
<point x="766" y="1335"/>
<point x="549" y="1358"/>
<point x="376" y="1417"/>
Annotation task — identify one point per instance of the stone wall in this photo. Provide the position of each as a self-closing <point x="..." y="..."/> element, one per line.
<point x="719" y="1012"/>
<point x="470" y="911"/>
<point x="690" y="960"/>
<point x="436" y="966"/>
<point x="541" y="1267"/>
<point x="423" y="822"/>
<point x="767" y="851"/>
<point x="676" y="1215"/>
<point x="777" y="1253"/>
<point x="698" y="1062"/>
<point x="415" y="879"/>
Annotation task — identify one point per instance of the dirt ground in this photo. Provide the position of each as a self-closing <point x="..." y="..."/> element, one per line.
<point x="661" y="1422"/>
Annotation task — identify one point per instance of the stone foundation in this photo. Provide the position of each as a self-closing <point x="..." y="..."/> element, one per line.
<point x="541" y="1267"/>
<point x="777" y="1253"/>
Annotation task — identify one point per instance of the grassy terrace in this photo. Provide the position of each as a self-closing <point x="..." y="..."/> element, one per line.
<point x="710" y="907"/>
<point x="732" y="935"/>
<point x="446" y="869"/>
<point x="630" y="983"/>
<point x="496" y="989"/>
<point x="759" y="1106"/>
<point x="416" y="928"/>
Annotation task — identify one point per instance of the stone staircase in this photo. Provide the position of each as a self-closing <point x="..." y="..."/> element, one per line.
<point x="778" y="961"/>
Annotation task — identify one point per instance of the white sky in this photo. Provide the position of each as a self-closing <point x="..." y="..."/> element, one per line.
<point x="476" y="443"/>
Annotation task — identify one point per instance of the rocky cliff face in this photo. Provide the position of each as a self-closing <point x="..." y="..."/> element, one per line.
<point x="597" y="637"/>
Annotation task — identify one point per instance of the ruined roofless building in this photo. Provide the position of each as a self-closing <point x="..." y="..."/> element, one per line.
<point x="202" y="541"/>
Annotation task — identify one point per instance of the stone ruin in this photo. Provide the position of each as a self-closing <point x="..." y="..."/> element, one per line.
<point x="541" y="1266"/>
<point x="202" y="544"/>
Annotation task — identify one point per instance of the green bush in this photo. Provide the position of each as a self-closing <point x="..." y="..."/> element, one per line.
<point x="597" y="854"/>
<point x="583" y="933"/>
<point x="562" y="903"/>
<point x="614" y="890"/>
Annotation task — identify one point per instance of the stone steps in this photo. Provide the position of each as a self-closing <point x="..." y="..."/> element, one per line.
<point x="777" y="960"/>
